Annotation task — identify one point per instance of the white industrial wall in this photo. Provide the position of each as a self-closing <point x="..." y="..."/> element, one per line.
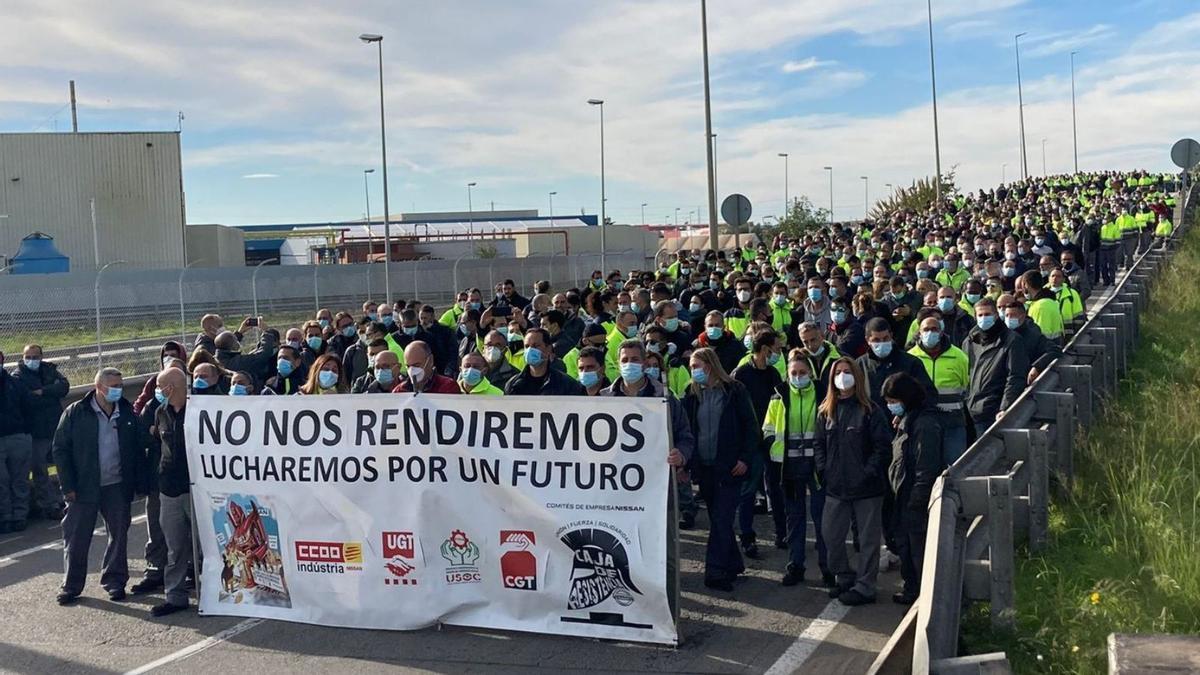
<point x="47" y="179"/>
<point x="212" y="245"/>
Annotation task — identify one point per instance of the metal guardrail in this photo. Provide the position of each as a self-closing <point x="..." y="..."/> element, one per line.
<point x="999" y="489"/>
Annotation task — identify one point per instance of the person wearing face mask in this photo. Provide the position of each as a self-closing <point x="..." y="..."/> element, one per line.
<point x="815" y="308"/>
<point x="952" y="274"/>
<point x="737" y="317"/>
<point x="212" y="325"/>
<point x="449" y="318"/>
<point x="46" y="387"/>
<point x="678" y="332"/>
<point x="760" y="376"/>
<point x="469" y="336"/>
<point x="99" y="451"/>
<point x="789" y="431"/>
<point x="289" y="376"/>
<point x="626" y="328"/>
<point x="539" y="377"/>
<point x="170" y="350"/>
<point x="1042" y="305"/>
<point x="343" y="334"/>
<point x="421" y="376"/>
<point x="948" y="369"/>
<point x="258" y="362"/>
<point x="208" y="379"/>
<point x="957" y="322"/>
<point x="17" y="417"/>
<point x="590" y="371"/>
<point x="314" y="343"/>
<point x="727" y="436"/>
<point x="472" y="378"/>
<point x="916" y="462"/>
<point x="852" y="447"/>
<point x="356" y="360"/>
<point x="783" y="315"/>
<point x="171" y="481"/>
<point x="325" y="377"/>
<point x="999" y="365"/>
<point x="362" y="384"/>
<point x="821" y="353"/>
<point x="729" y="350"/>
<point x="1070" y="303"/>
<point x="902" y="305"/>
<point x="846" y="333"/>
<point x="884" y="357"/>
<point x="441" y="339"/>
<point x="1041" y="350"/>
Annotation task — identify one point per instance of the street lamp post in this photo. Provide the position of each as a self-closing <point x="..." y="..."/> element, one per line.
<point x="367" y="195"/>
<point x="1044" y="157"/>
<point x="254" y="282"/>
<point x="552" y="207"/>
<point x="937" y="151"/>
<point x="369" y="38"/>
<point x="1021" y="107"/>
<point x="1004" y="173"/>
<point x="830" y="170"/>
<point x="603" y="197"/>
<point x="643" y="214"/>
<point x="470" y="212"/>
<point x="786" y="196"/>
<point x="709" y="140"/>
<point x="99" y="348"/>
<point x="676" y="216"/>
<point x="182" y="318"/>
<point x="866" y="196"/>
<point x="1074" y="133"/>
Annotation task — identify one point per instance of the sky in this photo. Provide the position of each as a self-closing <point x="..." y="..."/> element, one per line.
<point x="280" y="100"/>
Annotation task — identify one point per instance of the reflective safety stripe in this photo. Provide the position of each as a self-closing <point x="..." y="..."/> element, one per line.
<point x="950" y="398"/>
<point x="801" y="445"/>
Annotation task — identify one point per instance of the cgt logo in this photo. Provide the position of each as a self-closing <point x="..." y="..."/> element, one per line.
<point x="518" y="564"/>
<point x="399" y="558"/>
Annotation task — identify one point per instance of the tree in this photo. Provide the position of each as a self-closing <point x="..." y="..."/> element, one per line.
<point x="487" y="251"/>
<point x="916" y="198"/>
<point x="803" y="217"/>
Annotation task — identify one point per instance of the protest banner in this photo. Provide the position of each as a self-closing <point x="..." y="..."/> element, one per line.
<point x="400" y="512"/>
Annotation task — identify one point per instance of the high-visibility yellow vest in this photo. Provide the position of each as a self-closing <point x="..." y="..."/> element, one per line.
<point x="484" y="388"/>
<point x="678" y="379"/>
<point x="955" y="280"/>
<point x="1046" y="314"/>
<point x="1164" y="228"/>
<point x="1069" y="303"/>
<point x="791" y="428"/>
<point x="1110" y="232"/>
<point x="950" y="373"/>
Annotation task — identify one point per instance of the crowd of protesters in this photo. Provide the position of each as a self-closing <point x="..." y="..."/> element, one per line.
<point x="828" y="376"/>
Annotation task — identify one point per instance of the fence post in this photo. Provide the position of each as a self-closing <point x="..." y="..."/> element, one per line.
<point x="1078" y="378"/>
<point x="1000" y="551"/>
<point x="1039" y="490"/>
<point x="1058" y="407"/>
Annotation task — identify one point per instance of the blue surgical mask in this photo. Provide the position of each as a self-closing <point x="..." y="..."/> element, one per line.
<point x="410" y="330"/>
<point x="653" y="372"/>
<point x="695" y="308"/>
<point x="857" y="279"/>
<point x="284" y="367"/>
<point x="714" y="332"/>
<point x="631" y="331"/>
<point x="589" y="378"/>
<point x="475" y="305"/>
<point x="838" y="316"/>
<point x="239" y="390"/>
<point x="773" y="359"/>
<point x="631" y="372"/>
<point x="374" y="316"/>
<point x="780" y="300"/>
<point x="327" y="378"/>
<point x="160" y="396"/>
<point x="799" y="382"/>
<point x="986" y="321"/>
<point x="896" y="409"/>
<point x="113" y="394"/>
<point x="882" y="349"/>
<point x="1012" y="322"/>
<point x="1010" y="271"/>
<point x="945" y="304"/>
<point x="973" y="298"/>
<point x="33" y="364"/>
<point x="534" y="356"/>
<point x="699" y="375"/>
<point x="815" y="294"/>
<point x="349" y="331"/>
<point x="472" y="376"/>
<point x="748" y="342"/>
<point x="199" y="384"/>
<point x="324" y="323"/>
<point x="635" y="308"/>
<point x="389" y="319"/>
<point x="930" y="338"/>
<point x="384" y="376"/>
<point x="671" y="325"/>
<point x="314" y="343"/>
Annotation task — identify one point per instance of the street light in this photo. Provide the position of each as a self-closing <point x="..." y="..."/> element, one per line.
<point x="367" y="195"/>
<point x="552" y="207"/>
<point x="470" y="211"/>
<point x="603" y="197"/>
<point x="182" y="318"/>
<point x="1044" y="157"/>
<point x="709" y="140"/>
<point x="1074" y="134"/>
<point x="866" y="196"/>
<point x="786" y="196"/>
<point x="830" y="170"/>
<point x="643" y="214"/>
<point x="1021" y="106"/>
<point x="937" y="151"/>
<point x="99" y="349"/>
<point x="1004" y="173"/>
<point x="254" y="281"/>
<point x="676" y="216"/>
<point x="369" y="38"/>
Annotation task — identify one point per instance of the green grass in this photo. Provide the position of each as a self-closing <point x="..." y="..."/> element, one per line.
<point x="1125" y="544"/>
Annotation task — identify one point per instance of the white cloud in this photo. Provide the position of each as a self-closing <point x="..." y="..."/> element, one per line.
<point x="1058" y="43"/>
<point x="261" y="175"/>
<point x="810" y="63"/>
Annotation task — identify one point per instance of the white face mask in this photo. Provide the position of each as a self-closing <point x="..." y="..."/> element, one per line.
<point x="844" y="381"/>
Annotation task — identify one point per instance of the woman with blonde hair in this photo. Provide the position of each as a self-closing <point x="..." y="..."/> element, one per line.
<point x="325" y="377"/>
<point x="727" y="436"/>
<point x="852" y="449"/>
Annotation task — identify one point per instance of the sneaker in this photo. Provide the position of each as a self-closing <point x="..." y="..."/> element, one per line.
<point x="67" y="598"/>
<point x="828" y="579"/>
<point x="719" y="584"/>
<point x="165" y="608"/>
<point x="116" y="594"/>
<point x="852" y="598"/>
<point x="837" y="590"/>
<point x="147" y="585"/>
<point x="793" y="576"/>
<point x="888" y="561"/>
<point x="687" y="521"/>
<point x="903" y="598"/>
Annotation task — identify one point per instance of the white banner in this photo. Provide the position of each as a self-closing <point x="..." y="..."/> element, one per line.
<point x="400" y="512"/>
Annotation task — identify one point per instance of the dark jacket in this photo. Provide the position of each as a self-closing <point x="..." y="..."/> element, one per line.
<point x="850" y="338"/>
<point x="147" y="394"/>
<point x="852" y="451"/>
<point x="760" y="385"/>
<point x="172" y="467"/>
<point x="500" y="376"/>
<point x="1040" y="349"/>
<point x="16" y="406"/>
<point x="877" y="370"/>
<point x="444" y="348"/>
<point x="916" y="458"/>
<point x="259" y="364"/>
<point x="44" y="408"/>
<point x="556" y="383"/>
<point x="681" y="430"/>
<point x="999" y="366"/>
<point x="77" y="455"/>
<point x="739" y="433"/>
<point x="354" y="361"/>
<point x="338" y="344"/>
<point x="958" y="326"/>
<point x="284" y="386"/>
<point x="729" y="350"/>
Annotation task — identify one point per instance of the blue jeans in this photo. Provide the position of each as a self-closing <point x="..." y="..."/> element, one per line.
<point x="954" y="442"/>
<point x="802" y="501"/>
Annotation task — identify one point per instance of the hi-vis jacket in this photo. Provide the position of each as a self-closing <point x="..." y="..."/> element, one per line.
<point x="793" y="440"/>
<point x="950" y="372"/>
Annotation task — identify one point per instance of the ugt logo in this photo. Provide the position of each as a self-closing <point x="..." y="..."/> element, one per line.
<point x="518" y="565"/>
<point x="461" y="553"/>
<point x="399" y="556"/>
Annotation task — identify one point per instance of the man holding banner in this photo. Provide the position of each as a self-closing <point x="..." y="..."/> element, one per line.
<point x="171" y="476"/>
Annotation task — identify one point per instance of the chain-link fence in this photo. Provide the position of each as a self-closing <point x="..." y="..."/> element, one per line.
<point x="120" y="316"/>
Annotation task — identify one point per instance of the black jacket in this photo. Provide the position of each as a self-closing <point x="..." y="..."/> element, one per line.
<point x="45" y="409"/>
<point x="1040" y="349"/>
<point x="555" y="383"/>
<point x="852" y="451"/>
<point x="729" y="351"/>
<point x="259" y="364"/>
<point x="739" y="434"/>
<point x="338" y="344"/>
<point x="760" y="385"/>
<point x="444" y="348"/>
<point x="354" y="361"/>
<point x="16" y="406"/>
<point x="172" y="467"/>
<point x="916" y="458"/>
<point x="284" y="386"/>
<point x="77" y="455"/>
<point x="999" y="367"/>
<point x="877" y="370"/>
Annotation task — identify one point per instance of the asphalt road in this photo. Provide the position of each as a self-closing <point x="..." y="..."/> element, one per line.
<point x="760" y="627"/>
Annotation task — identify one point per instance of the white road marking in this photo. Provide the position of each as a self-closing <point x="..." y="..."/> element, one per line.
<point x="14" y="557"/>
<point x="808" y="640"/>
<point x="200" y="646"/>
